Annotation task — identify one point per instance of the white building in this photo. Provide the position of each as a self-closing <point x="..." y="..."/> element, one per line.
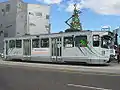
<point x="19" y="18"/>
<point x="38" y="19"/>
<point x="106" y="28"/>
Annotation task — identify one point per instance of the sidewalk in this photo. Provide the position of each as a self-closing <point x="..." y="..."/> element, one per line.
<point x="114" y="68"/>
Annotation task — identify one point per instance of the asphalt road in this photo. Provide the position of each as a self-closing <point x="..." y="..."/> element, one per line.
<point x="26" y="78"/>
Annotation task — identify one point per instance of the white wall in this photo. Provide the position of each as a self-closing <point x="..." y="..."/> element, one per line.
<point x="39" y="23"/>
<point x="7" y="20"/>
<point x="21" y="19"/>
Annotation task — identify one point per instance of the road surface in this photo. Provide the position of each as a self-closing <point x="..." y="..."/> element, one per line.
<point x="32" y="78"/>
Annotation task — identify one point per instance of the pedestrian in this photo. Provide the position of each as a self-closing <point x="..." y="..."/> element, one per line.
<point x="118" y="54"/>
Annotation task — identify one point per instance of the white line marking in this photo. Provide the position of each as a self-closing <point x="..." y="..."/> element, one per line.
<point x="81" y="86"/>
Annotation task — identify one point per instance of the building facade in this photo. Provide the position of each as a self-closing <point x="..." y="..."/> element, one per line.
<point x="38" y="19"/>
<point x="18" y="18"/>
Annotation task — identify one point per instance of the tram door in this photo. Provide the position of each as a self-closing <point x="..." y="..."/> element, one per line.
<point x="27" y="48"/>
<point x="56" y="51"/>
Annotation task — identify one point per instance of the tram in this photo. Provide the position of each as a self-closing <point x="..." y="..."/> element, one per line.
<point x="92" y="47"/>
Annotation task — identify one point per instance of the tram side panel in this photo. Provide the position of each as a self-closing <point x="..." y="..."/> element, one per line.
<point x="25" y="50"/>
<point x="81" y="48"/>
<point x="42" y="51"/>
<point x="73" y="51"/>
<point x="40" y="54"/>
<point x="13" y="49"/>
<point x="74" y="55"/>
<point x="101" y="47"/>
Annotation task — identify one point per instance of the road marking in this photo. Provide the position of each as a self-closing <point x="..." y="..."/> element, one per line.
<point x="81" y="86"/>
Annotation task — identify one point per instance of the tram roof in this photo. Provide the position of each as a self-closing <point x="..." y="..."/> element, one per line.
<point x="59" y="34"/>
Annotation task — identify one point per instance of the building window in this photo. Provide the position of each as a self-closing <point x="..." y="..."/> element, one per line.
<point x="68" y="41"/>
<point x="7" y="7"/>
<point x="30" y="13"/>
<point x="35" y="43"/>
<point x="96" y="40"/>
<point x="5" y="34"/>
<point x="32" y="24"/>
<point x="38" y="14"/>
<point x="12" y="44"/>
<point x="18" y="43"/>
<point x="8" y="26"/>
<point x="3" y="12"/>
<point x="45" y="42"/>
<point x="47" y="26"/>
<point x="1" y="32"/>
<point x="1" y="25"/>
<point x="47" y="16"/>
<point x="81" y="41"/>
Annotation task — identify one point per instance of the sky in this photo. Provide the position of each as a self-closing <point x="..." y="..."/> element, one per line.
<point x="95" y="13"/>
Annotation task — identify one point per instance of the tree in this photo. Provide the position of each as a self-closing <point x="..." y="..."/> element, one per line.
<point x="75" y="23"/>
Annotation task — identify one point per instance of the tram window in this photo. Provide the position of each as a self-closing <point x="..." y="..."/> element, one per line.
<point x="18" y="43"/>
<point x="96" y="41"/>
<point x="68" y="42"/>
<point x="106" y="42"/>
<point x="35" y="43"/>
<point x="45" y="42"/>
<point x="81" y="41"/>
<point x="12" y="43"/>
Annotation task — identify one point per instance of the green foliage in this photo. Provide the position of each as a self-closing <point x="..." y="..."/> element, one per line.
<point x="75" y="23"/>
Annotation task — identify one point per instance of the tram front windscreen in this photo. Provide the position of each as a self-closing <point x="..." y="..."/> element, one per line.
<point x="106" y="42"/>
